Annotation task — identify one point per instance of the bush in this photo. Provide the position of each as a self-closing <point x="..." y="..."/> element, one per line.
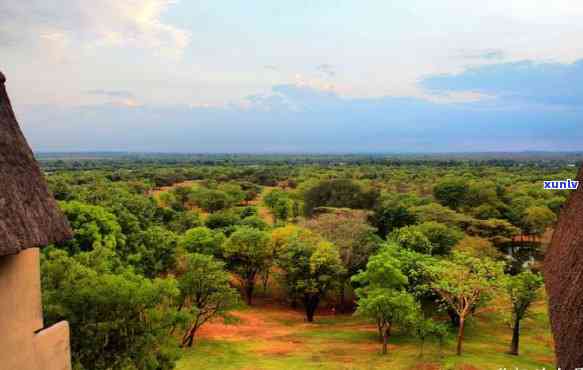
<point x="119" y="320"/>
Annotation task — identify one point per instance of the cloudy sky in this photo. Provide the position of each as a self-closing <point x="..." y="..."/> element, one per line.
<point x="295" y="76"/>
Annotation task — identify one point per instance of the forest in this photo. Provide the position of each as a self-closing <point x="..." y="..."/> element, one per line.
<point x="303" y="261"/>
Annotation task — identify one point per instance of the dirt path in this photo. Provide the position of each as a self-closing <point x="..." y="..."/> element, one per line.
<point x="262" y="211"/>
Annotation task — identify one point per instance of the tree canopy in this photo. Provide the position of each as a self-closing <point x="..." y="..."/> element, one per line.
<point x="247" y="253"/>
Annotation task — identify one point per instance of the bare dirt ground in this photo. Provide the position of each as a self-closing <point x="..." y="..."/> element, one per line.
<point x="266" y="323"/>
<point x="281" y="327"/>
<point x="271" y="335"/>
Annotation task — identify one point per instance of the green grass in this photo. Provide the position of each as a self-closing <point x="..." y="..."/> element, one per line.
<point x="216" y="355"/>
<point x="323" y="335"/>
<point x="238" y="355"/>
<point x="347" y="342"/>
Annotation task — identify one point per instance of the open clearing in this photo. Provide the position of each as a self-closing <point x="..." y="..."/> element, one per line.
<point x="272" y="336"/>
<point x="269" y="336"/>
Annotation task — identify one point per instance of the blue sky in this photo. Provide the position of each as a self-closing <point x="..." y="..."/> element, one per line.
<point x="301" y="76"/>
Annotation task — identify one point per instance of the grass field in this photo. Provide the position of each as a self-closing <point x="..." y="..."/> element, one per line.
<point x="274" y="337"/>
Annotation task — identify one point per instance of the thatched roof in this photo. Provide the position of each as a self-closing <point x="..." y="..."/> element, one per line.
<point x="564" y="282"/>
<point x="29" y="216"/>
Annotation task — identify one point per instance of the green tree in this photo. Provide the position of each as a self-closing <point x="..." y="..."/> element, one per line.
<point x="496" y="231"/>
<point x="279" y="203"/>
<point x="514" y="211"/>
<point x="60" y="187"/>
<point x="251" y="191"/>
<point x="417" y="268"/>
<point x="309" y="270"/>
<point x="441" y="237"/>
<point x="93" y="227"/>
<point x="223" y="220"/>
<point x="205" y="292"/>
<point x="555" y="204"/>
<point x="412" y="238"/>
<point x="427" y="328"/>
<point x="485" y="211"/>
<point x="202" y="240"/>
<point x="481" y="193"/>
<point x="355" y="239"/>
<point x="234" y="192"/>
<point x="184" y="221"/>
<point x="387" y="307"/>
<point x="273" y="196"/>
<point x="283" y="209"/>
<point x="211" y="200"/>
<point x="390" y="216"/>
<point x="536" y="220"/>
<point x="155" y="253"/>
<point x="247" y="252"/>
<point x="451" y="192"/>
<point x="342" y="193"/>
<point x="182" y="195"/>
<point x="438" y="213"/>
<point x="255" y="222"/>
<point x="383" y="270"/>
<point x="118" y="319"/>
<point x="248" y="212"/>
<point x="477" y="247"/>
<point x="169" y="199"/>
<point x="383" y="273"/>
<point x="523" y="290"/>
<point x="464" y="283"/>
<point x="281" y="238"/>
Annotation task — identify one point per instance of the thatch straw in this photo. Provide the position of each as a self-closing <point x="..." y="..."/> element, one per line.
<point x="29" y="216"/>
<point x="564" y="281"/>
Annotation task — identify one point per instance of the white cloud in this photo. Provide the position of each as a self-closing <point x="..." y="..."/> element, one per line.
<point x="241" y="49"/>
<point x="127" y="23"/>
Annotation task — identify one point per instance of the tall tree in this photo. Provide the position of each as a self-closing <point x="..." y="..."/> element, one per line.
<point x="281" y="237"/>
<point x="205" y="292"/>
<point x="384" y="276"/>
<point x="355" y="239"/>
<point x="247" y="253"/>
<point x="523" y="290"/>
<point x="464" y="283"/>
<point x="309" y="270"/>
<point x="387" y="307"/>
